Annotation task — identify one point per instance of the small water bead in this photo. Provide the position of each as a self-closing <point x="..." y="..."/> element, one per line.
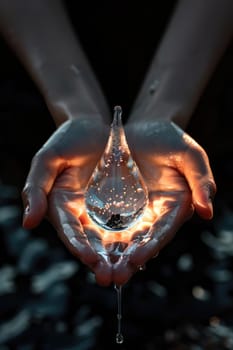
<point x="142" y="267"/>
<point x="116" y="195"/>
<point x="119" y="338"/>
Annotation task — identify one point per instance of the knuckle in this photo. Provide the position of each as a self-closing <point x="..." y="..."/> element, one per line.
<point x="41" y="156"/>
<point x="43" y="159"/>
<point x="26" y="190"/>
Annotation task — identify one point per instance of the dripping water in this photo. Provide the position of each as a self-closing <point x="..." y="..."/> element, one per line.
<point x="119" y="335"/>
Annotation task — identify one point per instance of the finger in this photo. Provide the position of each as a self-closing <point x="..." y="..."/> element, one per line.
<point x="35" y="206"/>
<point x="103" y="268"/>
<point x="122" y="271"/>
<point x="197" y="171"/>
<point x="77" y="243"/>
<point x="103" y="273"/>
<point x="71" y="232"/>
<point x="44" y="169"/>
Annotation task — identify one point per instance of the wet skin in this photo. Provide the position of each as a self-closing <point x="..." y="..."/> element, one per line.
<point x="176" y="172"/>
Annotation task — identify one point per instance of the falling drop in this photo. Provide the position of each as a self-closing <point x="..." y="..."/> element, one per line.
<point x="116" y="195"/>
<point x="119" y="335"/>
<point x="119" y="338"/>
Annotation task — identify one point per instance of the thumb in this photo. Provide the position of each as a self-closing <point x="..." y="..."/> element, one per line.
<point x="44" y="169"/>
<point x="197" y="171"/>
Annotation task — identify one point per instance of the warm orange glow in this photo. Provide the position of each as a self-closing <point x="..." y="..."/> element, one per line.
<point x="76" y="207"/>
<point x="154" y="209"/>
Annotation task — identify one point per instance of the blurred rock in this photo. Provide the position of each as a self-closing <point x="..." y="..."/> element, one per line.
<point x="9" y="216"/>
<point x="16" y="240"/>
<point x="8" y="194"/>
<point x="200" y="293"/>
<point x="53" y="303"/>
<point x="15" y="326"/>
<point x="185" y="262"/>
<point x="34" y="251"/>
<point x="55" y="273"/>
<point x="219" y="274"/>
<point x="7" y="283"/>
<point x="157" y="289"/>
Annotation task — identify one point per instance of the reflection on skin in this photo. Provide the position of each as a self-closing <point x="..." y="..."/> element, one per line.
<point x="176" y="173"/>
<point x="121" y="253"/>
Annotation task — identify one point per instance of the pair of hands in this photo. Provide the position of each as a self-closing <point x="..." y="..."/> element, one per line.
<point x="174" y="167"/>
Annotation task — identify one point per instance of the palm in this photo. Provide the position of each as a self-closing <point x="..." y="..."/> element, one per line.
<point x="168" y="192"/>
<point x="159" y="149"/>
<point x="63" y="166"/>
<point x="68" y="158"/>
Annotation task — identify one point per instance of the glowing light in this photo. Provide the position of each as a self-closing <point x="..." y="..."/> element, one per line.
<point x="116" y="195"/>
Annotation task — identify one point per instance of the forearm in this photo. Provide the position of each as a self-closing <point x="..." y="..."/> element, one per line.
<point x="195" y="40"/>
<point x="40" y="34"/>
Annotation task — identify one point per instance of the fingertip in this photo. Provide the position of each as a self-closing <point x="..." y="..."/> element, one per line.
<point x="199" y="176"/>
<point x="103" y="274"/>
<point x="120" y="280"/>
<point x="99" y="266"/>
<point x="27" y="221"/>
<point x="122" y="272"/>
<point x="205" y="211"/>
<point x="203" y="203"/>
<point x="35" y="207"/>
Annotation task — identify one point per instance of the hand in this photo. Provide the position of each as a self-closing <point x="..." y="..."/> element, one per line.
<point x="55" y="186"/>
<point x="177" y="173"/>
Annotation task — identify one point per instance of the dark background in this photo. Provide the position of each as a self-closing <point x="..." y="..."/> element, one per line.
<point x="49" y="300"/>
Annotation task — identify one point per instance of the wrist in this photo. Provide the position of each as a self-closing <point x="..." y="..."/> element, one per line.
<point x="66" y="94"/>
<point x="170" y="92"/>
<point x="69" y="94"/>
<point x="159" y="111"/>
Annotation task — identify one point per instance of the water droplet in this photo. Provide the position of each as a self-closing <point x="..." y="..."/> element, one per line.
<point x="119" y="335"/>
<point x="119" y="338"/>
<point x="118" y="175"/>
<point x="142" y="267"/>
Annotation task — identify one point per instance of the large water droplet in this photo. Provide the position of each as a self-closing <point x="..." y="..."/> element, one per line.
<point x="116" y="195"/>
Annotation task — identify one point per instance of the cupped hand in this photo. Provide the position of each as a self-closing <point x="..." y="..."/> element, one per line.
<point x="176" y="172"/>
<point x="179" y="179"/>
<point x="55" y="187"/>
